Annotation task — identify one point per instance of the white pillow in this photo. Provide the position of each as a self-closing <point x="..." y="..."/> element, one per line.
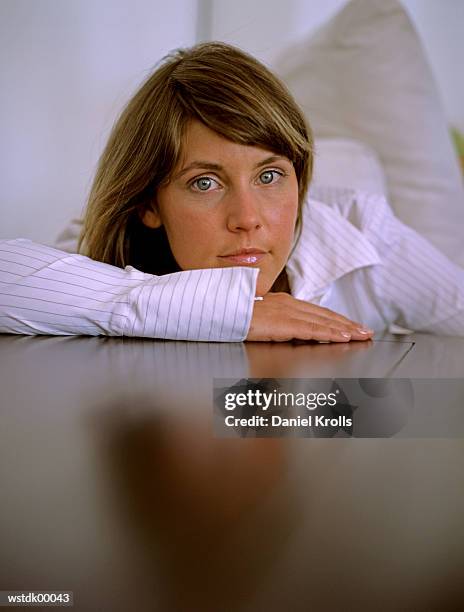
<point x="343" y="162"/>
<point x="364" y="75"/>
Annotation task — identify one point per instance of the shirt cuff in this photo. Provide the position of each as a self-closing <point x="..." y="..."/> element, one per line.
<point x="211" y="305"/>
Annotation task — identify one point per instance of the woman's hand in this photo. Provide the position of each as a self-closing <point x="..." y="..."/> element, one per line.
<point x="279" y="317"/>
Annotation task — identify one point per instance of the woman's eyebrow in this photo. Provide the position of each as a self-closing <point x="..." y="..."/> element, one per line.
<point x="206" y="165"/>
<point x="271" y="160"/>
<point x="203" y="165"/>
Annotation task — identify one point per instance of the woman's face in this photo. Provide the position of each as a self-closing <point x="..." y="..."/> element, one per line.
<point x="228" y="205"/>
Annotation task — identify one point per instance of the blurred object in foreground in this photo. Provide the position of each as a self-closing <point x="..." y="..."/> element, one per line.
<point x="212" y="515"/>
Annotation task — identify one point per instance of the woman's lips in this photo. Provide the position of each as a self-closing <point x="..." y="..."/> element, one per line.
<point x="246" y="257"/>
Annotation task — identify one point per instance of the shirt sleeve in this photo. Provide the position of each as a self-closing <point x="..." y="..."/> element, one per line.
<point x="416" y="285"/>
<point x="46" y="291"/>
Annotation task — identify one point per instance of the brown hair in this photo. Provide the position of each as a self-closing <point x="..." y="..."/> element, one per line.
<point x="221" y="86"/>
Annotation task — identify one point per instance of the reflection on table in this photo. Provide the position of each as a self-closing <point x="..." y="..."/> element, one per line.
<point x="113" y="485"/>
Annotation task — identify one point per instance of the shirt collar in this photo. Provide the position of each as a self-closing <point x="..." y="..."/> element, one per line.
<point x="328" y="248"/>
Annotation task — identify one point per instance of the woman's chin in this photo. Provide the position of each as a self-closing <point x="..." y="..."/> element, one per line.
<point x="263" y="287"/>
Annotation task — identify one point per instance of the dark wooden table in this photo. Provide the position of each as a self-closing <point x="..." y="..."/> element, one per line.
<point x="113" y="485"/>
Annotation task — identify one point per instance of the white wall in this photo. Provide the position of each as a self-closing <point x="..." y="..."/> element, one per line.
<point x="67" y="67"/>
<point x="441" y="27"/>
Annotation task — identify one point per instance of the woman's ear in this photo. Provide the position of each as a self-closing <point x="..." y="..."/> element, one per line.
<point x="151" y="217"/>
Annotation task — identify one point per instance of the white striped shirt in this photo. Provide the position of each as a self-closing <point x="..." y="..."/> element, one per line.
<point x="353" y="256"/>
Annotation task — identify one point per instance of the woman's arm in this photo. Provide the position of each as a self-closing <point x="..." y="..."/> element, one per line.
<point x="46" y="291"/>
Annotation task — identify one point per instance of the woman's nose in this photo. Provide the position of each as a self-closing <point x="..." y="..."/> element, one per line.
<point x="243" y="211"/>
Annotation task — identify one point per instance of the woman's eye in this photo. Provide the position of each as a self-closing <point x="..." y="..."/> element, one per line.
<point x="203" y="183"/>
<point x="268" y="176"/>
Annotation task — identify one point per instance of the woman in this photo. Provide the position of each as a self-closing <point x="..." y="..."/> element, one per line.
<point x="198" y="228"/>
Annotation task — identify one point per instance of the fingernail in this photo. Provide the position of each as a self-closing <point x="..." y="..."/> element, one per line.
<point x="345" y="334"/>
<point x="364" y="330"/>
